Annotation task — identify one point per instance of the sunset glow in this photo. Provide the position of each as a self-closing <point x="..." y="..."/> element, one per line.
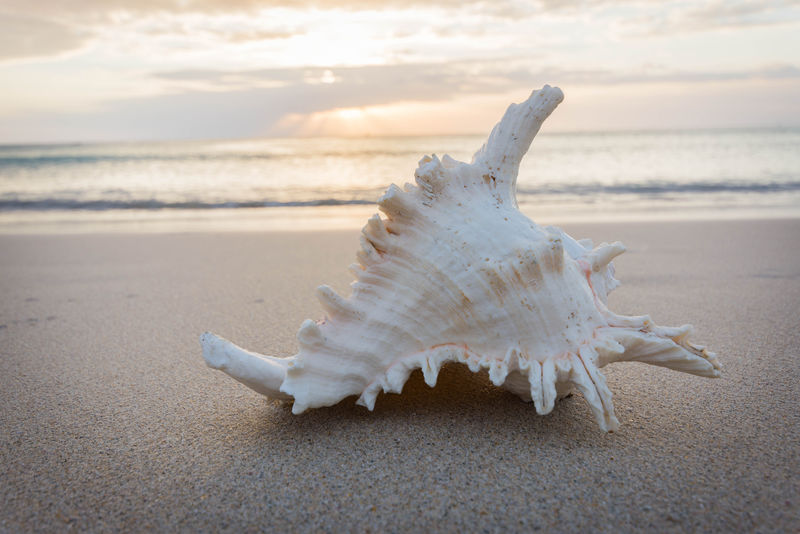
<point x="169" y="69"/>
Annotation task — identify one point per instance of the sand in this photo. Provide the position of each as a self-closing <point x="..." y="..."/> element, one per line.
<point x="110" y="420"/>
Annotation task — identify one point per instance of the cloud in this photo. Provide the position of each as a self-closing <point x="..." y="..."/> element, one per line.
<point x="727" y="14"/>
<point x="644" y="76"/>
<point x="233" y="110"/>
<point x="260" y="111"/>
<point x="35" y="28"/>
<point x="203" y="63"/>
<point x="441" y="80"/>
<point x="331" y="87"/>
<point x="25" y="36"/>
<point x="106" y="8"/>
<point x="260" y="35"/>
<point x="734" y="14"/>
<point x="242" y="111"/>
<point x="48" y="27"/>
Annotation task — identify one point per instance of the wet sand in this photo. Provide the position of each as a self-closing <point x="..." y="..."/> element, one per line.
<point x="110" y="420"/>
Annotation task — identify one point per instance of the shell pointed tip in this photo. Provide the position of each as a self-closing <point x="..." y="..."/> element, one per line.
<point x="310" y="334"/>
<point x="430" y="374"/>
<point x="213" y="350"/>
<point x="553" y="92"/>
<point x="611" y="424"/>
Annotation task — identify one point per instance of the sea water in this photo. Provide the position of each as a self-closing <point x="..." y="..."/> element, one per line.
<point x="318" y="183"/>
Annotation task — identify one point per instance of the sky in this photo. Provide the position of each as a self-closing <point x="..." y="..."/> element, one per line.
<point x="123" y="70"/>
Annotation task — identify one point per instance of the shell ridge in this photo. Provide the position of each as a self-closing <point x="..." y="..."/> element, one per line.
<point x="548" y="386"/>
<point x="422" y="313"/>
<point x="603" y="407"/>
<point x="535" y="380"/>
<point x="648" y="347"/>
<point x="397" y="205"/>
<point x="337" y="306"/>
<point x="427" y="314"/>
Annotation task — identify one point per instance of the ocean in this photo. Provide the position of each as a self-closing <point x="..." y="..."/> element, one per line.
<point x="318" y="183"/>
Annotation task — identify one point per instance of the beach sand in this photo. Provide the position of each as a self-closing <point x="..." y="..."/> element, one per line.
<point x="110" y="420"/>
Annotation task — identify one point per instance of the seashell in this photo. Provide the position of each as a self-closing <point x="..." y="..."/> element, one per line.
<point x="456" y="273"/>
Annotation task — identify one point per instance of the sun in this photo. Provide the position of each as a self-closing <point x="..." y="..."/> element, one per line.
<point x="350" y="114"/>
<point x="339" y="122"/>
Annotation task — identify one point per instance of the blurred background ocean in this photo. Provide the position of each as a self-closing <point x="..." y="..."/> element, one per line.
<point x="318" y="183"/>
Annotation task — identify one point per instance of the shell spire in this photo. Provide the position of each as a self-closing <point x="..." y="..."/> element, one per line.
<point x="512" y="136"/>
<point x="454" y="272"/>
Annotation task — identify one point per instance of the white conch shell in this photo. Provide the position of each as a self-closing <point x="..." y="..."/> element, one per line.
<point x="456" y="273"/>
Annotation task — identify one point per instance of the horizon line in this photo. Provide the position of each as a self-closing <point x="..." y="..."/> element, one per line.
<point x="558" y="132"/>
